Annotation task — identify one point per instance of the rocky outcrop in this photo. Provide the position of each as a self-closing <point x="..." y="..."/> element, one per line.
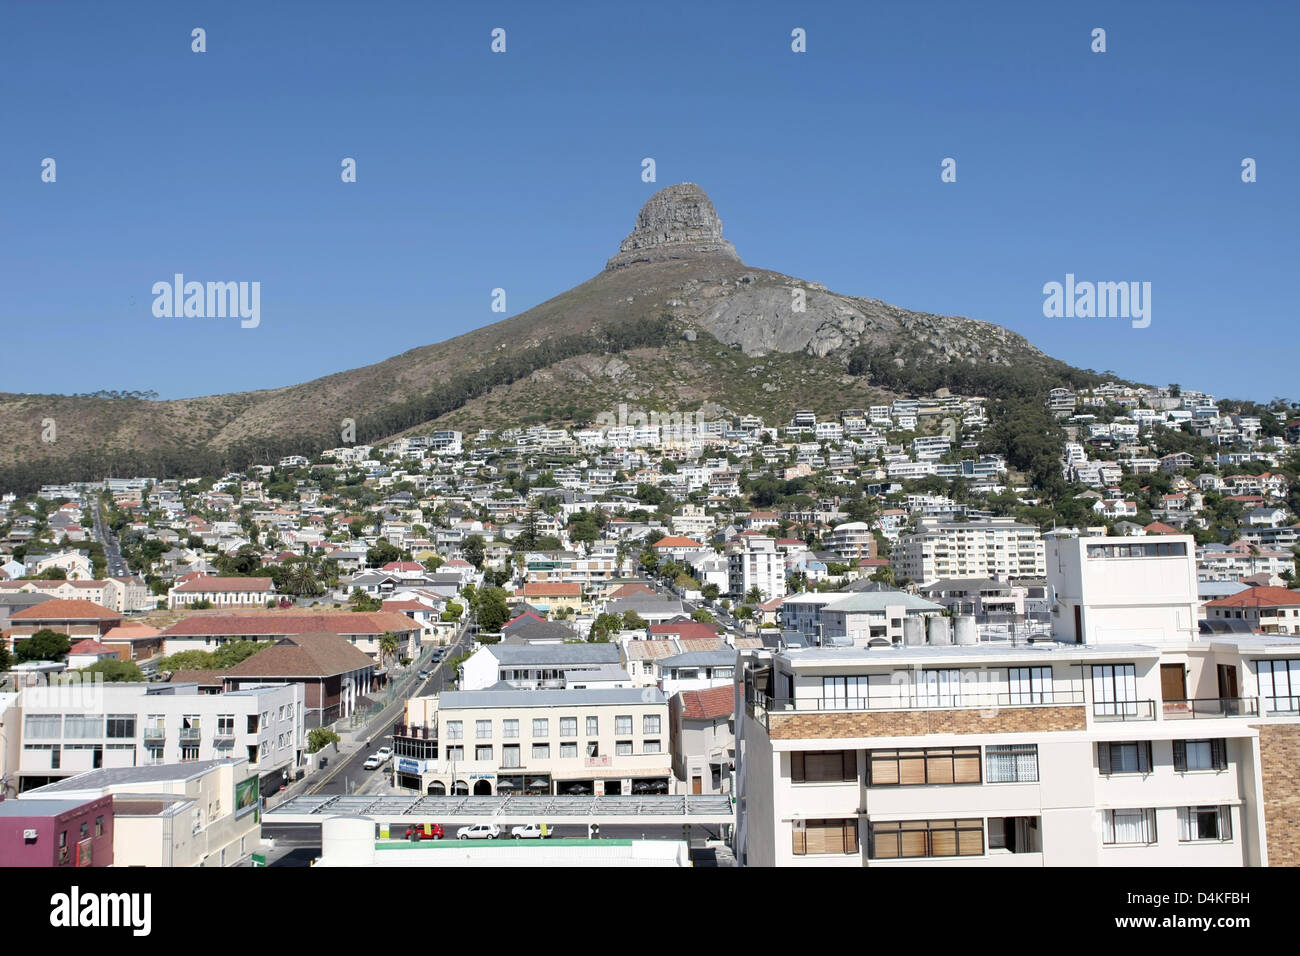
<point x="678" y="222"/>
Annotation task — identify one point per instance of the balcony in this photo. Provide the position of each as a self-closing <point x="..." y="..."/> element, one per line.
<point x="1123" y="710"/>
<point x="922" y="712"/>
<point x="415" y="732"/>
<point x="189" y="735"/>
<point x="155" y="736"/>
<point x="1211" y="707"/>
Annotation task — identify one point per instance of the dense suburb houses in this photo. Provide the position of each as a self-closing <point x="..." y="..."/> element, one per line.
<point x="878" y="638"/>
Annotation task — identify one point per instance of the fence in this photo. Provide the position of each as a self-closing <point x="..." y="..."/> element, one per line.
<point x="398" y="687"/>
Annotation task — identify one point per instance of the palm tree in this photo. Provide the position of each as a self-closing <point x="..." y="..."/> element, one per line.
<point x="387" y="646"/>
<point x="754" y="595"/>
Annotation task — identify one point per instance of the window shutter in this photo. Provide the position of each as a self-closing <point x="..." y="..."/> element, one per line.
<point x="911" y="767"/>
<point x="966" y="765"/>
<point x="1180" y="755"/>
<point x="796" y="767"/>
<point x="1219" y="753"/>
<point x="1144" y="756"/>
<point x="851" y="773"/>
<point x="883" y="767"/>
<point x="1103" y="757"/>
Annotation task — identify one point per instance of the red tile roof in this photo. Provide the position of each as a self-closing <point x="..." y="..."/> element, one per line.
<point x="1159" y="527"/>
<point x="60" y="610"/>
<point x="552" y="589"/>
<point x="677" y="541"/>
<point x="1258" y="597"/>
<point x="89" y="647"/>
<point x="268" y="623"/>
<point x="685" y="628"/>
<point x="210" y="583"/>
<point x="708" y="704"/>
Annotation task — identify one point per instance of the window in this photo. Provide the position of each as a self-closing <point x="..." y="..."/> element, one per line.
<point x="568" y="726"/>
<point x="1129" y="826"/>
<point x="623" y="748"/>
<point x="1279" y="685"/>
<point x="1114" y="690"/>
<point x="456" y="753"/>
<point x="1011" y="763"/>
<point x="99" y="826"/>
<point x="650" y="724"/>
<point x="225" y="725"/>
<point x="43" y="726"/>
<point x="541" y="727"/>
<point x="192" y="753"/>
<point x="840" y="693"/>
<point x="1132" y="756"/>
<point x="455" y="730"/>
<point x="941" y="688"/>
<point x="900" y="839"/>
<point x="568" y="750"/>
<point x="119" y="726"/>
<point x="1200" y="755"/>
<point x="541" y="751"/>
<point x="510" y="755"/>
<point x="652" y="747"/>
<point x="1204" y="823"/>
<point x="593" y="748"/>
<point x="593" y="726"/>
<point x="825" y="836"/>
<point x="1030" y="685"/>
<point x="483" y="752"/>
<point x="510" y="729"/>
<point x="914" y="767"/>
<point x="824" y="766"/>
<point x="483" y="729"/>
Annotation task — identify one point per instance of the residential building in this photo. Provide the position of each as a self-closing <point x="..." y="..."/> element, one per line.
<point x="534" y="666"/>
<point x="703" y="739"/>
<point x="58" y="833"/>
<point x="484" y="742"/>
<point x="754" y="562"/>
<point x="221" y="592"/>
<point x="996" y="547"/>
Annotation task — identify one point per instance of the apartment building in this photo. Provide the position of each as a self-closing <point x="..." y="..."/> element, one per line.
<point x="535" y="666"/>
<point x="993" y="548"/>
<point x="68" y="730"/>
<point x="484" y="742"/>
<point x="852" y="540"/>
<point x="1267" y="609"/>
<point x="221" y="592"/>
<point x="206" y="813"/>
<point x="753" y="561"/>
<point x="1142" y="746"/>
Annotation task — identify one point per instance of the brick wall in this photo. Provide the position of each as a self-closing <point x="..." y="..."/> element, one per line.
<point x="914" y="723"/>
<point x="1279" y="748"/>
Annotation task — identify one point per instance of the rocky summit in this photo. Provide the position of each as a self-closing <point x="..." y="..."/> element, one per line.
<point x="678" y="222"/>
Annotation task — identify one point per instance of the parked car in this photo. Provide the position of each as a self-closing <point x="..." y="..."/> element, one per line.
<point x="530" y="831"/>
<point x="384" y="753"/>
<point x="479" y="831"/>
<point x="417" y="832"/>
<point x="373" y="762"/>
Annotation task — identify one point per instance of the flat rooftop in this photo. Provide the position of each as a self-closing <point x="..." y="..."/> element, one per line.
<point x="651" y="808"/>
<point x="987" y="652"/>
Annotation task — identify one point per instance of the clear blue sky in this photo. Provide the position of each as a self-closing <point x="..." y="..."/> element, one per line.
<point x="522" y="171"/>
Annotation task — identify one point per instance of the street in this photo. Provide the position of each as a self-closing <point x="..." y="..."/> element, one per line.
<point x="349" y="775"/>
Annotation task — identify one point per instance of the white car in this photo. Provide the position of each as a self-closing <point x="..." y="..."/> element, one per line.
<point x="529" y="831"/>
<point x="479" y="831"/>
<point x="384" y="753"/>
<point x="373" y="762"/>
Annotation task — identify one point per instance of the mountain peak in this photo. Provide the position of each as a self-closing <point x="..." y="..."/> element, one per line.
<point x="677" y="222"/>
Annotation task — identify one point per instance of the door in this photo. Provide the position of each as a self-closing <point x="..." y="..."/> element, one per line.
<point x="1227" y="682"/>
<point x="1173" y="685"/>
<point x="697" y="785"/>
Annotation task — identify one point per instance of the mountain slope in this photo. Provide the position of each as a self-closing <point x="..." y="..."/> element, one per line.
<point x="647" y="328"/>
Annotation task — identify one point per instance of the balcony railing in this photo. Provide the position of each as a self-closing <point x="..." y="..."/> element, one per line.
<point x="155" y="734"/>
<point x="189" y="734"/>
<point x="1123" y="710"/>
<point x="917" y="700"/>
<point x="1211" y="707"/>
<point x="415" y="732"/>
<point x="1282" y="705"/>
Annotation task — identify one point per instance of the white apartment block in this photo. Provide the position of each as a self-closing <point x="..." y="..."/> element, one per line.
<point x="510" y="742"/>
<point x="1148" y="745"/>
<point x="67" y="730"/>
<point x="851" y="540"/>
<point x="996" y="548"/>
<point x="754" y="562"/>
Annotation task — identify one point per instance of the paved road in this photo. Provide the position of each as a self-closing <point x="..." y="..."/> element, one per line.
<point x="112" y="551"/>
<point x="349" y="776"/>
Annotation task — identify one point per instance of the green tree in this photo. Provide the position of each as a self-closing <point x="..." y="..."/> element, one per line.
<point x="632" y="621"/>
<point x="701" y="615"/>
<point x="492" y="609"/>
<point x="319" y="738"/>
<point x="44" y="645"/>
<point x="606" y="625"/>
<point x="116" y="671"/>
<point x="710" y="592"/>
<point x="232" y="652"/>
<point x="188" y="661"/>
<point x="382" y="552"/>
<point x="472" y="549"/>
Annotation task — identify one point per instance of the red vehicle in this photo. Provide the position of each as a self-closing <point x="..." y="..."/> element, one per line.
<point x="425" y="831"/>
